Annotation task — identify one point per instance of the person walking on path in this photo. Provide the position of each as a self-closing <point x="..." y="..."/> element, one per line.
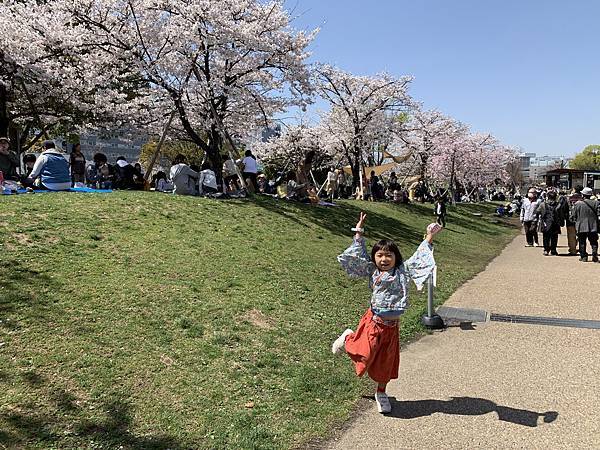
<point x="374" y="348"/>
<point x="551" y="218"/>
<point x="529" y="218"/>
<point x="568" y="201"/>
<point x="586" y="215"/>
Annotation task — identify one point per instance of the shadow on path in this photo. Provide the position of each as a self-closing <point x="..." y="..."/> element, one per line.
<point x="468" y="406"/>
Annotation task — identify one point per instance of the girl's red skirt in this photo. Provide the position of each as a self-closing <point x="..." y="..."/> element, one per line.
<point x="375" y="348"/>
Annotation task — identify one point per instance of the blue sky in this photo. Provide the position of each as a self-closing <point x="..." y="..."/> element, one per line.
<point x="527" y="71"/>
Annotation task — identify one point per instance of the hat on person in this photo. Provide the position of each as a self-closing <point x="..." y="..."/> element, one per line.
<point x="5" y="139"/>
<point x="587" y="191"/>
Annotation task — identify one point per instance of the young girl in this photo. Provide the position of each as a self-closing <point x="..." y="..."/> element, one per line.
<point x="374" y="348"/>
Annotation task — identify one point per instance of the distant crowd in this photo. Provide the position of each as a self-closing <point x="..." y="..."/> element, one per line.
<point x="548" y="210"/>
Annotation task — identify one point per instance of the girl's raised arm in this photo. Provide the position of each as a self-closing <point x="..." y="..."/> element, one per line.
<point x="355" y="260"/>
<point x="421" y="264"/>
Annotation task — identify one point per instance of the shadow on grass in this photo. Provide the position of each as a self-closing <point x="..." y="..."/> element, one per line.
<point x="62" y="422"/>
<point x="468" y="406"/>
<point x="20" y="288"/>
<point x="115" y="430"/>
<point x="339" y="220"/>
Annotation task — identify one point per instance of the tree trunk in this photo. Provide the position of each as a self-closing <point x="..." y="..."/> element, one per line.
<point x="452" y="182"/>
<point x="213" y="154"/>
<point x="4" y="120"/>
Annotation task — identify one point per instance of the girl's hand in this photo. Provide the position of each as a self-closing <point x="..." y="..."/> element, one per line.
<point x="361" y="220"/>
<point x="432" y="230"/>
<point x="360" y="224"/>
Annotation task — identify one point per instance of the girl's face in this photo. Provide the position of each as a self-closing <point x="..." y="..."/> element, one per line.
<point x="385" y="260"/>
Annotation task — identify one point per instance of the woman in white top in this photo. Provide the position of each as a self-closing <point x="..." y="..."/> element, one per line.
<point x="250" y="168"/>
<point x="207" y="182"/>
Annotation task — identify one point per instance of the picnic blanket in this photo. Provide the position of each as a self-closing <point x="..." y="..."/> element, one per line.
<point x="78" y="189"/>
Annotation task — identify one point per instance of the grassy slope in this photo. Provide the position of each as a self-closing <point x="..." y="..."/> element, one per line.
<point x="154" y="321"/>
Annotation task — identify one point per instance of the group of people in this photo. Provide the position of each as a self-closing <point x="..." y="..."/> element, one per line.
<point x="51" y="170"/>
<point x="548" y="211"/>
<point x="189" y="179"/>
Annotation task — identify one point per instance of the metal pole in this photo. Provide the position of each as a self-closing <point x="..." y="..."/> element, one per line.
<point x="430" y="296"/>
<point x="431" y="320"/>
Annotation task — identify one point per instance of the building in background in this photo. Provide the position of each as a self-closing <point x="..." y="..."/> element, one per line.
<point x="534" y="168"/>
<point x="113" y="145"/>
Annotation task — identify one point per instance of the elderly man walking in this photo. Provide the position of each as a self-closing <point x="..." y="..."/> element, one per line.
<point x="586" y="214"/>
<point x="529" y="217"/>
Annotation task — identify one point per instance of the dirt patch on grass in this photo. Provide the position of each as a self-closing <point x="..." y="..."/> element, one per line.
<point x="259" y="319"/>
<point x="52" y="240"/>
<point x="23" y="239"/>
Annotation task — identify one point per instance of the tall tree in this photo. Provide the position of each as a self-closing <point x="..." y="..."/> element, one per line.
<point x="223" y="66"/>
<point x="358" y="104"/>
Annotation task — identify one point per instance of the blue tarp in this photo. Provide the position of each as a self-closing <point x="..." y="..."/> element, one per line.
<point x="80" y="189"/>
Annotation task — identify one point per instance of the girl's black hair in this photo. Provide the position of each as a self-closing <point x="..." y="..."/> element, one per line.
<point x="389" y="246"/>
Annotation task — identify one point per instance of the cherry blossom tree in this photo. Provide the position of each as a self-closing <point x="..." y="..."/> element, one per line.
<point x="291" y="148"/>
<point x="470" y="159"/>
<point x="362" y="111"/>
<point x="422" y="134"/>
<point x="220" y="67"/>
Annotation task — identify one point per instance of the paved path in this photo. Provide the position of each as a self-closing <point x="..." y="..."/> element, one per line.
<point x="500" y="386"/>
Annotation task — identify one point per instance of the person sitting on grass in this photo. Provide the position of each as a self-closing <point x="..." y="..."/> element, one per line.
<point x="51" y="169"/>
<point x="374" y="347"/>
<point x="160" y="182"/>
<point x="296" y="191"/>
<point x="100" y="174"/>
<point x="28" y="162"/>
<point x="207" y="181"/>
<point x="126" y="175"/>
<point x="183" y="177"/>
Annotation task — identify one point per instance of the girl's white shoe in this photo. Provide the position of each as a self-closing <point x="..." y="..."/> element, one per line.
<point x="339" y="344"/>
<point x="383" y="402"/>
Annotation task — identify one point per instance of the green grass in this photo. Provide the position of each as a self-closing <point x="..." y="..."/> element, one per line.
<point x="151" y="321"/>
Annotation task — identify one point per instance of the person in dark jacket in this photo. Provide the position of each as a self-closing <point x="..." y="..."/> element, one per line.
<point x="125" y="175"/>
<point x="77" y="161"/>
<point x="586" y="214"/>
<point x="440" y="211"/>
<point x="568" y="201"/>
<point x="551" y="217"/>
<point x="8" y="160"/>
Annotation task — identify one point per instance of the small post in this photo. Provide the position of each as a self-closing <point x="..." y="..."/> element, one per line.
<point x="431" y="320"/>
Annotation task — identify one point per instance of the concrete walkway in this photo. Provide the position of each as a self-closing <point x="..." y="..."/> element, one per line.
<point x="500" y="386"/>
